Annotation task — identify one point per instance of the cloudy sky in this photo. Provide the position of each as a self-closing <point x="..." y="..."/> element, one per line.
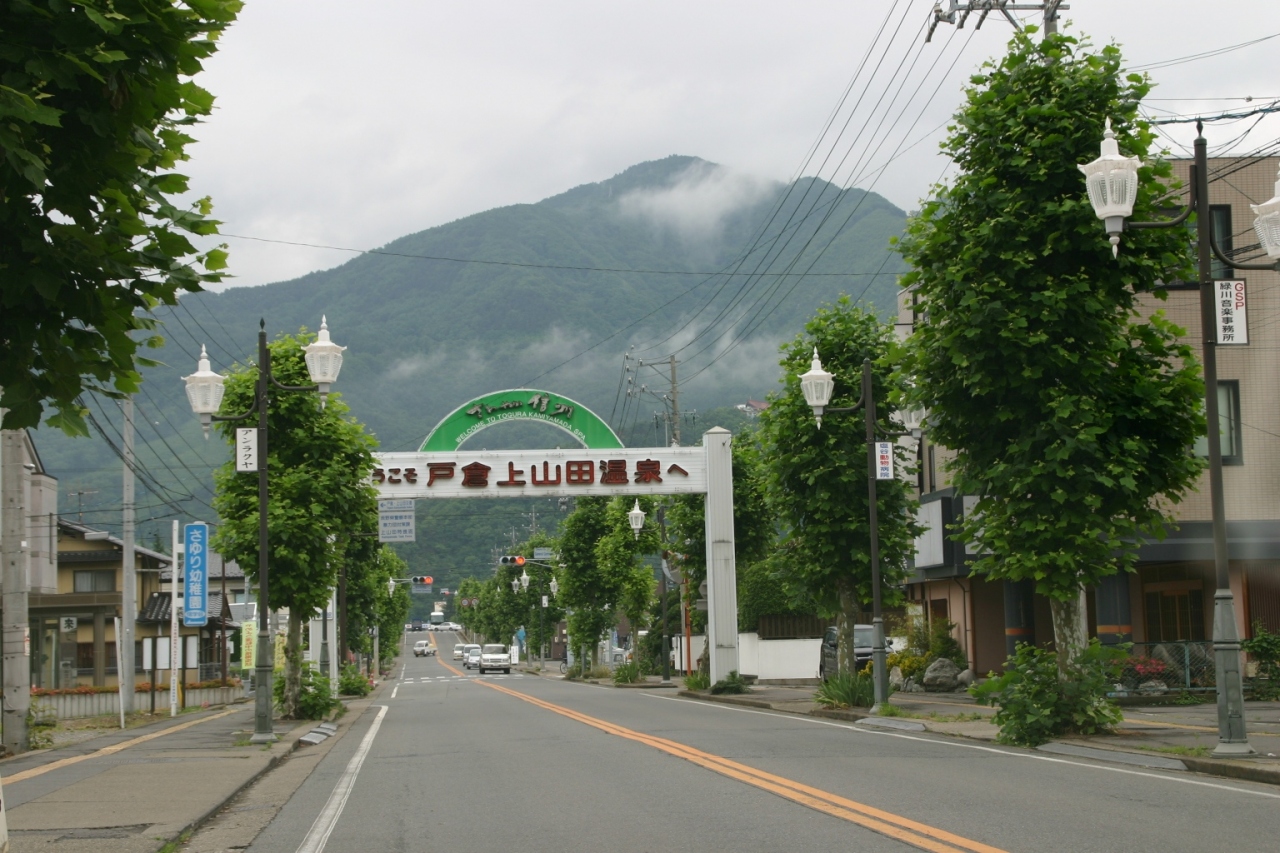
<point x="351" y="124"/>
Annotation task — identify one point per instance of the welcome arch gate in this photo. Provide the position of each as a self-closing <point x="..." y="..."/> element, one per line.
<point x="602" y="466"/>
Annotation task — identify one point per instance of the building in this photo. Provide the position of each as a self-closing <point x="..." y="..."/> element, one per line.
<point x="1170" y="596"/>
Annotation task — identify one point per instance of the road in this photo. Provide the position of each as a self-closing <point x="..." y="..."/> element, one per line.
<point x="459" y="763"/>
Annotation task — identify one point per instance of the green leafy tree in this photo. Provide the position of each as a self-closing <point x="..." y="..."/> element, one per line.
<point x="1072" y="414"/>
<point x="817" y="478"/>
<point x="369" y="566"/>
<point x="584" y="591"/>
<point x="96" y="99"/>
<point x="618" y="553"/>
<point x="319" y="462"/>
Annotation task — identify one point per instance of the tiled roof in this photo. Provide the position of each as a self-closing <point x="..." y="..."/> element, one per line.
<point x="156" y="610"/>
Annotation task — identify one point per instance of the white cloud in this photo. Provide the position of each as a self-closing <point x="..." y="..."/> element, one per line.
<point x="696" y="202"/>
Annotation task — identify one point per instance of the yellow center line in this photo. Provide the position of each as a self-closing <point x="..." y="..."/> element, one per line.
<point x="886" y="823"/>
<point x="109" y="750"/>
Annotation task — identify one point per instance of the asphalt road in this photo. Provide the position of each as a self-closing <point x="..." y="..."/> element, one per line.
<point x="475" y="764"/>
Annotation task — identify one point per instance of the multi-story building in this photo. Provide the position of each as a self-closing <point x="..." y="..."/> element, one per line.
<point x="1170" y="596"/>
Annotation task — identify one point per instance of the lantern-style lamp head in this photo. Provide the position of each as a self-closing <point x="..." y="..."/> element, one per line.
<point x="555" y="587"/>
<point x="1267" y="225"/>
<point x="204" y="390"/>
<point x="515" y="584"/>
<point x="324" y="360"/>
<point x="636" y="518"/>
<point x="817" y="385"/>
<point x="524" y="580"/>
<point x="1112" y="182"/>
<point x="913" y="421"/>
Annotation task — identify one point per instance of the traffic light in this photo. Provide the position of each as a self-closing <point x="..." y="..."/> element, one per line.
<point x="422" y="579"/>
<point x="511" y="561"/>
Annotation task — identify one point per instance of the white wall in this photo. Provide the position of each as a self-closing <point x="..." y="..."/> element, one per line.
<point x="767" y="660"/>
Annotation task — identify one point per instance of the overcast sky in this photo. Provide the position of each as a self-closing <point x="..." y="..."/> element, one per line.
<point x="352" y="124"/>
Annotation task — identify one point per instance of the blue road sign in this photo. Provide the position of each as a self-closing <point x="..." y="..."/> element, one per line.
<point x="196" y="575"/>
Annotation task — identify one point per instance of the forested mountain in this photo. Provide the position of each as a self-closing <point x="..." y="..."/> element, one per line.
<point x="573" y="282"/>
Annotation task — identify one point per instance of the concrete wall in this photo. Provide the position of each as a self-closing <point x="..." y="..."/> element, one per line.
<point x="767" y="660"/>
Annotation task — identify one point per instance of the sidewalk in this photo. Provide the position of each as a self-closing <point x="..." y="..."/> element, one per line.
<point x="136" y="790"/>
<point x="1168" y="737"/>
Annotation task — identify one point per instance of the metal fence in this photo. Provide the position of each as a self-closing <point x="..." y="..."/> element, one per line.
<point x="1155" y="668"/>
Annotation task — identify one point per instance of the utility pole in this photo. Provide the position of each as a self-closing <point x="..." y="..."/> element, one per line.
<point x="675" y="405"/>
<point x="16" y="636"/>
<point x="79" y="496"/>
<point x="958" y="12"/>
<point x="129" y="591"/>
<point x="671" y="401"/>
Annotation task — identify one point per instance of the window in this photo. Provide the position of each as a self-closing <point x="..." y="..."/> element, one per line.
<point x="95" y="582"/>
<point x="1229" y="431"/>
<point x="1221" y="216"/>
<point x="1175" y="611"/>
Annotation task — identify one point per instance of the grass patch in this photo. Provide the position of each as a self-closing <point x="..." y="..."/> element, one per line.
<point x="1188" y="751"/>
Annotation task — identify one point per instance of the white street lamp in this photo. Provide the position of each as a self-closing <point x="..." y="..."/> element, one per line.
<point x="1107" y="203"/>
<point x="555" y="587"/>
<point x="515" y="585"/>
<point x="204" y="391"/>
<point x="1112" y="182"/>
<point x="324" y="360"/>
<point x="817" y="385"/>
<point x="524" y="579"/>
<point x="636" y="518"/>
<point x="1267" y="225"/>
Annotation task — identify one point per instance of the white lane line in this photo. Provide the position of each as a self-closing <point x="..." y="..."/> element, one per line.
<point x="944" y="742"/>
<point x="319" y="833"/>
<point x="394" y="691"/>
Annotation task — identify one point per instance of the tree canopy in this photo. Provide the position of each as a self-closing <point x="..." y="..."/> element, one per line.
<point x="320" y="494"/>
<point x="95" y="101"/>
<point x="1072" y="413"/>
<point x="816" y="479"/>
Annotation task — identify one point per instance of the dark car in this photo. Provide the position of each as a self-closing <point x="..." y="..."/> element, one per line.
<point x="828" y="662"/>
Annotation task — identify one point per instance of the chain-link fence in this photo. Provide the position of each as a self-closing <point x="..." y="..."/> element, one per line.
<point x="1155" y="668"/>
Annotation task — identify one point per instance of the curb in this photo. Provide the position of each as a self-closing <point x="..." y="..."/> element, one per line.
<point x="727" y="700"/>
<point x="1245" y="770"/>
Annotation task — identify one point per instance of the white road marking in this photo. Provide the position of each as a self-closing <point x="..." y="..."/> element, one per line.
<point x="944" y="742"/>
<point x="324" y="823"/>
<point x="394" y="691"/>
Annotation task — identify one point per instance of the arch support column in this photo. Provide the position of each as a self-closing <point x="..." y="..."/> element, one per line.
<point x="722" y="586"/>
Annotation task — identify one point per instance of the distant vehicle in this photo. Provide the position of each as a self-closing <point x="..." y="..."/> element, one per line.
<point x="415" y="625"/>
<point x="423" y="648"/>
<point x="471" y="656"/>
<point x="828" y="663"/>
<point x="437" y="619"/>
<point x="459" y="650"/>
<point x="494" y="656"/>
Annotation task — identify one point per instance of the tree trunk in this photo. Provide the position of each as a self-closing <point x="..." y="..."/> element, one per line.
<point x="292" y="665"/>
<point x="1070" y="629"/>
<point x="845" y="619"/>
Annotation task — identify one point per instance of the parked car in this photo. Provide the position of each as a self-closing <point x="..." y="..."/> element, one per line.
<point x="828" y="662"/>
<point x="495" y="656"/>
<point x="423" y="648"/>
<point x="471" y="656"/>
<point x="459" y="650"/>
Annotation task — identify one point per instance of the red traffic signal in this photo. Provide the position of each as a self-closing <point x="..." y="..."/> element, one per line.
<point x="422" y="579"/>
<point x="511" y="560"/>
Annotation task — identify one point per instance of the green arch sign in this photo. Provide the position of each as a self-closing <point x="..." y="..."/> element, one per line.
<point x="520" y="404"/>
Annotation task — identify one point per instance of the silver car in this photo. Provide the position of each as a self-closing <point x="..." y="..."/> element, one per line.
<point x="471" y="657"/>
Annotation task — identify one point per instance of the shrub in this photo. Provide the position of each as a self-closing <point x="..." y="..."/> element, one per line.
<point x="846" y="690"/>
<point x="1264" y="648"/>
<point x="627" y="673"/>
<point x="697" y="681"/>
<point x="733" y="683"/>
<point x="910" y="664"/>
<point x="1035" y="705"/>
<point x="351" y="682"/>
<point x="315" y="699"/>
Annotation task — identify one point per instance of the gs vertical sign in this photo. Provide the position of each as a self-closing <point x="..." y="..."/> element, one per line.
<point x="195" y="575"/>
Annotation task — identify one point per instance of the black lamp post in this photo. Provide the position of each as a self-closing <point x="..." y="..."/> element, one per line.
<point x="1112" y="182"/>
<point x="817" y="385"/>
<point x="204" y="390"/>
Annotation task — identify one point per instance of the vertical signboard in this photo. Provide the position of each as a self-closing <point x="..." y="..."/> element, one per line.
<point x="884" y="460"/>
<point x="395" y="520"/>
<point x="1232" y="312"/>
<point x="195" y="575"/>
<point x="247" y="449"/>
